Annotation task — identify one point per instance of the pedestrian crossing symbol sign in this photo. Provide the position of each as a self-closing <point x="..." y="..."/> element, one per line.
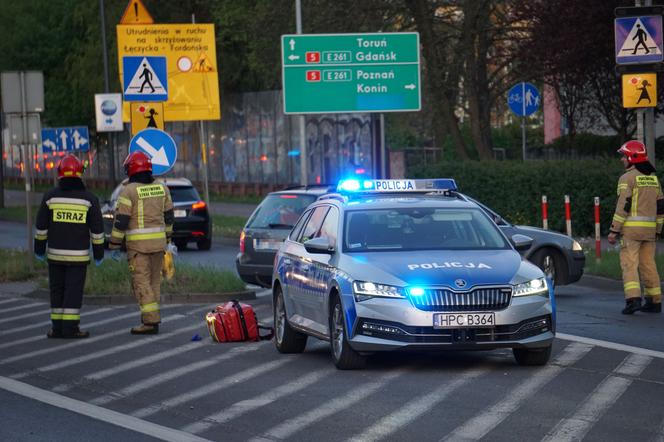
<point x="638" y="39"/>
<point x="639" y="90"/>
<point x="145" y="78"/>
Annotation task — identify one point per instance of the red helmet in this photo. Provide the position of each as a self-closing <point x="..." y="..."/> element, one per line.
<point x="70" y="167"/>
<point x="635" y="151"/>
<point x="137" y="162"/>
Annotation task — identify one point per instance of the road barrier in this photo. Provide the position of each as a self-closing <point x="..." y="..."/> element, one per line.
<point x="545" y="213"/>
<point x="568" y="216"/>
<point x="598" y="243"/>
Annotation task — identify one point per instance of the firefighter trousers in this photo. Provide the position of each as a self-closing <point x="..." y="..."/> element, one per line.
<point x="66" y="284"/>
<point x="145" y="271"/>
<point x="637" y="258"/>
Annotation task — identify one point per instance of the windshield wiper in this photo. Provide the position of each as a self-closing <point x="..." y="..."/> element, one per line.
<point x="279" y="226"/>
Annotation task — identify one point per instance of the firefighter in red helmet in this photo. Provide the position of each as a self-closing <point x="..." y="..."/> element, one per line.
<point x="69" y="218"/>
<point x="144" y="219"/>
<point x="638" y="218"/>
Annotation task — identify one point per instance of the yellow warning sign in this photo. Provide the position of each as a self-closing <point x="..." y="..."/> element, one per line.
<point x="639" y="90"/>
<point x="136" y="14"/>
<point x="193" y="85"/>
<point x="144" y="115"/>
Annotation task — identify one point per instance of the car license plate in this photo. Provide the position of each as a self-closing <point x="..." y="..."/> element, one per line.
<point x="462" y="320"/>
<point x="179" y="213"/>
<point x="267" y="244"/>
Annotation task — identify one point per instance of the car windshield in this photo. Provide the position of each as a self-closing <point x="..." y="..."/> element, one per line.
<point x="420" y="229"/>
<point x="181" y="194"/>
<point x="280" y="211"/>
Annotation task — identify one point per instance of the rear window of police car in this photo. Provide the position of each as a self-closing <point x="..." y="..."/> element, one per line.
<point x="280" y="211"/>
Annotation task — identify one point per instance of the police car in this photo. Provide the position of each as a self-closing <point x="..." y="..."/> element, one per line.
<point x="387" y="265"/>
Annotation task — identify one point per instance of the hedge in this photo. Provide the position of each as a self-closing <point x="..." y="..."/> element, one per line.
<point x="514" y="189"/>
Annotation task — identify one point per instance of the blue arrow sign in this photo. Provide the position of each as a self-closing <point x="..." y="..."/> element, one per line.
<point x="159" y="146"/>
<point x="523" y="99"/>
<point x="65" y="139"/>
<point x="145" y="78"/>
<point x="638" y="39"/>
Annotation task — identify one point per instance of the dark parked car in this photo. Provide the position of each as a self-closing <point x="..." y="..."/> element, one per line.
<point x="267" y="227"/>
<point x="192" y="219"/>
<point x="559" y="256"/>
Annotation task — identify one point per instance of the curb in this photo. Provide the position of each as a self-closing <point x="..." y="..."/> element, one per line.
<point x="166" y="298"/>
<point x="600" y="282"/>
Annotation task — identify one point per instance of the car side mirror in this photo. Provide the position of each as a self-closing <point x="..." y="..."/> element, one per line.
<point x="319" y="245"/>
<point x="521" y="242"/>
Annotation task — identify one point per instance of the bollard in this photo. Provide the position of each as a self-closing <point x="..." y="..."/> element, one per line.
<point x="568" y="216"/>
<point x="598" y="243"/>
<point x="545" y="213"/>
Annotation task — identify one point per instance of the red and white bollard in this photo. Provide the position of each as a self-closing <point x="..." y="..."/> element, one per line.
<point x="598" y="241"/>
<point x="568" y="216"/>
<point x="545" y="213"/>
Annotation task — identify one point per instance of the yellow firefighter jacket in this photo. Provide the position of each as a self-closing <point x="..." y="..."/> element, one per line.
<point x="636" y="215"/>
<point x="143" y="217"/>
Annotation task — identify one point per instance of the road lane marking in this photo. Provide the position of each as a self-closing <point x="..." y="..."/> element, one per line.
<point x="211" y="388"/>
<point x="98" y="413"/>
<point x="176" y="373"/>
<point x="47" y="323"/>
<point x="24" y="306"/>
<point x="582" y="419"/>
<point x="415" y="408"/>
<point x="612" y="345"/>
<point x="107" y="351"/>
<point x="69" y="344"/>
<point x="481" y="424"/>
<point x="339" y="403"/>
<point x="239" y="408"/>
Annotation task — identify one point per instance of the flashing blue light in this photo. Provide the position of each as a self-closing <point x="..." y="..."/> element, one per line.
<point x="368" y="184"/>
<point x="444" y="183"/>
<point x="349" y="185"/>
<point x="293" y="153"/>
<point x="416" y="291"/>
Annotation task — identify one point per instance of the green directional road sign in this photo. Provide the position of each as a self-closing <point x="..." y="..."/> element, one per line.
<point x="331" y="73"/>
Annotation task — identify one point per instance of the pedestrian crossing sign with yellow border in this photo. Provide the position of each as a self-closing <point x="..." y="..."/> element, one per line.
<point x="639" y="90"/>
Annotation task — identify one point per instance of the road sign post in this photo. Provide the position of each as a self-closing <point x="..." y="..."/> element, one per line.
<point x="523" y="99"/>
<point x="339" y="73"/>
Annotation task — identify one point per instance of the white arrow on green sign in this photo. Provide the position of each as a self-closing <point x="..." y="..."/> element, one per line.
<point x="336" y="73"/>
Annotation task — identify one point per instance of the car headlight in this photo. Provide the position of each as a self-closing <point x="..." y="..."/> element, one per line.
<point x="576" y="246"/>
<point x="365" y="290"/>
<point x="534" y="287"/>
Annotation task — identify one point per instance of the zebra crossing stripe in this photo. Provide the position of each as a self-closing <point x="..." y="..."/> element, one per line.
<point x="292" y="426"/>
<point x="23" y="307"/>
<point x="6" y="301"/>
<point x="27" y="315"/>
<point x="166" y="376"/>
<point x="581" y="420"/>
<point x="239" y="408"/>
<point x="47" y="323"/>
<point x="481" y="424"/>
<point x="214" y="387"/>
<point x="415" y="408"/>
<point x="611" y="345"/>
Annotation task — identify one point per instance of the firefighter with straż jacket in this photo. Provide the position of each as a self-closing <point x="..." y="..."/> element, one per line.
<point x="144" y="219"/>
<point x="639" y="217"/>
<point x="69" y="218"/>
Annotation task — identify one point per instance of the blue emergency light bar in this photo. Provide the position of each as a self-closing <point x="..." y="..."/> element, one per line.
<point x="396" y="186"/>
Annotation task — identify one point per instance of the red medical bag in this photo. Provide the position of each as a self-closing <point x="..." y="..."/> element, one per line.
<point x="233" y="322"/>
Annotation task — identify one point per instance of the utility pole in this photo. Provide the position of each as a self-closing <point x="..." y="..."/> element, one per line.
<point x="648" y="117"/>
<point x="110" y="135"/>
<point x="204" y="150"/>
<point x="304" y="166"/>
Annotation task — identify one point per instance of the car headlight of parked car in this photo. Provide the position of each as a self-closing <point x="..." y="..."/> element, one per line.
<point x="576" y="246"/>
<point x="533" y="287"/>
<point x="366" y="290"/>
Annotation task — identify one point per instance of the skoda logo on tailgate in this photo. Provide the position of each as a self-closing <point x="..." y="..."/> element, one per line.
<point x="460" y="283"/>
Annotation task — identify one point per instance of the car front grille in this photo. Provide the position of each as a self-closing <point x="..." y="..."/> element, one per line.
<point x="479" y="299"/>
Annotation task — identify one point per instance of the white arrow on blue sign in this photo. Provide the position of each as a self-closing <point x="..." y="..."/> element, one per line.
<point x="159" y="146"/>
<point x="65" y="139"/>
<point x="523" y="99"/>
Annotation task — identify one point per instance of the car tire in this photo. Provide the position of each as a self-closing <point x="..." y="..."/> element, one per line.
<point x="552" y="264"/>
<point x="286" y="339"/>
<point x="345" y="358"/>
<point x="532" y="356"/>
<point x="204" y="244"/>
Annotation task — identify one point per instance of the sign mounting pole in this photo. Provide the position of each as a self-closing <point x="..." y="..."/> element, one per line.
<point x="27" y="166"/>
<point x="204" y="152"/>
<point x="304" y="166"/>
<point x="649" y="120"/>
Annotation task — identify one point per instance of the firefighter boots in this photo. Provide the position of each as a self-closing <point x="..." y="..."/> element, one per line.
<point x="651" y="307"/>
<point x="631" y="305"/>
<point x="145" y="329"/>
<point x="54" y="333"/>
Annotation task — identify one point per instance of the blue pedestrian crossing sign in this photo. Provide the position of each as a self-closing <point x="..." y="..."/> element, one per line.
<point x="65" y="139"/>
<point x="145" y="78"/>
<point x="523" y="99"/>
<point x="638" y="39"/>
<point x="159" y="146"/>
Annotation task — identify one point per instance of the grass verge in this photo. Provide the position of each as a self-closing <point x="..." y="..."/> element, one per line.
<point x="16" y="213"/>
<point x="609" y="265"/>
<point x="14" y="266"/>
<point x="230" y="226"/>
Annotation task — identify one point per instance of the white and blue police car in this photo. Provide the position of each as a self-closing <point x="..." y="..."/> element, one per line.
<point x="387" y="265"/>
